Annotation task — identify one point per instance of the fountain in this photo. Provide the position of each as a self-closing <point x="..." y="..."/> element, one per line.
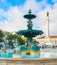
<point x="29" y="48"/>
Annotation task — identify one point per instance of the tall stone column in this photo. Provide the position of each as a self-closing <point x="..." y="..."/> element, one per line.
<point x="47" y="38"/>
<point x="47" y="25"/>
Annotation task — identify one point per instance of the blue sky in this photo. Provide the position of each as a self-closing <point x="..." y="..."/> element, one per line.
<point x="6" y="4"/>
<point x="12" y="11"/>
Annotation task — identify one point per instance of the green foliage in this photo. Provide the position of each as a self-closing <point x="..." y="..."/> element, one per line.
<point x="36" y="42"/>
<point x="11" y="37"/>
<point x="1" y="36"/>
<point x="20" y="40"/>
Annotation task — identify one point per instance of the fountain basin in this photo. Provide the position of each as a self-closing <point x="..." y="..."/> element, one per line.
<point x="41" y="61"/>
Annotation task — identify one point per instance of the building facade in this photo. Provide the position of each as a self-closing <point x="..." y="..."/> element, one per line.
<point x="51" y="40"/>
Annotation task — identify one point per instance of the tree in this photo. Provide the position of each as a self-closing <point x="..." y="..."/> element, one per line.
<point x="11" y="39"/>
<point x="1" y="36"/>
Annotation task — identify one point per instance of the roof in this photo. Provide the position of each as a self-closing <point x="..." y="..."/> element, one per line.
<point x="45" y="36"/>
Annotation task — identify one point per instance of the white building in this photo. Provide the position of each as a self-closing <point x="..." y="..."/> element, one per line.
<point x="49" y="40"/>
<point x="52" y="40"/>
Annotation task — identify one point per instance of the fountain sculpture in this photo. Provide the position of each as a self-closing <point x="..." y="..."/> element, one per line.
<point x="29" y="48"/>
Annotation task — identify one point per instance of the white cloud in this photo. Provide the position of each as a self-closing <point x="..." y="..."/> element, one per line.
<point x="15" y="20"/>
<point x="34" y="6"/>
<point x="31" y="4"/>
<point x="53" y="19"/>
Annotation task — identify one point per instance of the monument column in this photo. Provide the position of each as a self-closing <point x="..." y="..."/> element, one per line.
<point x="47" y="25"/>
